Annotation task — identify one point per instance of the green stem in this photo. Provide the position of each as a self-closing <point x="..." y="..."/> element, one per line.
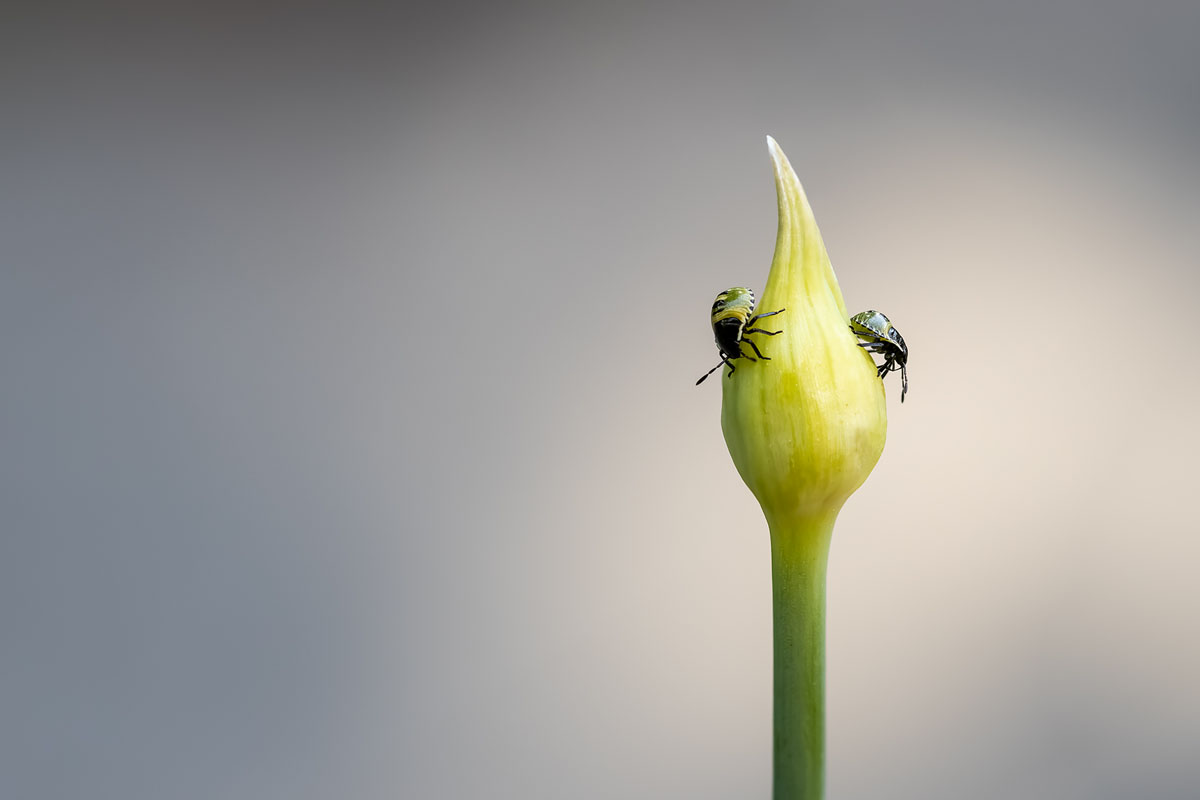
<point x="799" y="554"/>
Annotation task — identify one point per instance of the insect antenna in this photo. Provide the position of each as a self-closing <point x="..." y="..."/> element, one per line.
<point x="710" y="372"/>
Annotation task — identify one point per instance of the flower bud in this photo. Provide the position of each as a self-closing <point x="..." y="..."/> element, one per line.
<point x="806" y="427"/>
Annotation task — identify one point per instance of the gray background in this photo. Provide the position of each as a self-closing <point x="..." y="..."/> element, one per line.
<point x="350" y="446"/>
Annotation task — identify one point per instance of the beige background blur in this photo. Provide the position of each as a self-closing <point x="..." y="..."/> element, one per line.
<point x="351" y="447"/>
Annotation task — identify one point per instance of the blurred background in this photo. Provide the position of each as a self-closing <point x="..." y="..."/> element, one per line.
<point x="350" y="440"/>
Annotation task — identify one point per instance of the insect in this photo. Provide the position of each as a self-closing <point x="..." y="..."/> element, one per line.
<point x="879" y="335"/>
<point x="731" y="321"/>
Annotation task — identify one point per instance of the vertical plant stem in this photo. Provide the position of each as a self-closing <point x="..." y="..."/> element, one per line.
<point x="799" y="555"/>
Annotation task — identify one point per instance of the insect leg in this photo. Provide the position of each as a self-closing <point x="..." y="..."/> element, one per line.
<point x="760" y="330"/>
<point x="729" y="364"/>
<point x="768" y="314"/>
<point x="754" y="347"/>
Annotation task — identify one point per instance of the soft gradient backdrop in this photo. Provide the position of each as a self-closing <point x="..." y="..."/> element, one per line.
<point x="351" y="447"/>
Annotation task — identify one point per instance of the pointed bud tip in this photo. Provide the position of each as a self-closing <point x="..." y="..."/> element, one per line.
<point x="777" y="155"/>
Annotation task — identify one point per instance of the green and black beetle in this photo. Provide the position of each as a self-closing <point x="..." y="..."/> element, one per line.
<point x="731" y="321"/>
<point x="879" y="335"/>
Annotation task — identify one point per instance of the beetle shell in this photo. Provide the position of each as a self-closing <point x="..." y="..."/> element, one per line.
<point x="875" y="325"/>
<point x="730" y="313"/>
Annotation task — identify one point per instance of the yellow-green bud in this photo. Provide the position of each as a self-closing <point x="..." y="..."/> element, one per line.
<point x="806" y="427"/>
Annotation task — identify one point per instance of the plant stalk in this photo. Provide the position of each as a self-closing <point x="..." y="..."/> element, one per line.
<point x="799" y="556"/>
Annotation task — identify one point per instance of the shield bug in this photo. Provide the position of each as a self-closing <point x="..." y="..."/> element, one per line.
<point x="879" y="335"/>
<point x="732" y="318"/>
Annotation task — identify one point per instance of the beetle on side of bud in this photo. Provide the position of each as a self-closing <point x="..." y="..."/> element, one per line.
<point x="731" y="321"/>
